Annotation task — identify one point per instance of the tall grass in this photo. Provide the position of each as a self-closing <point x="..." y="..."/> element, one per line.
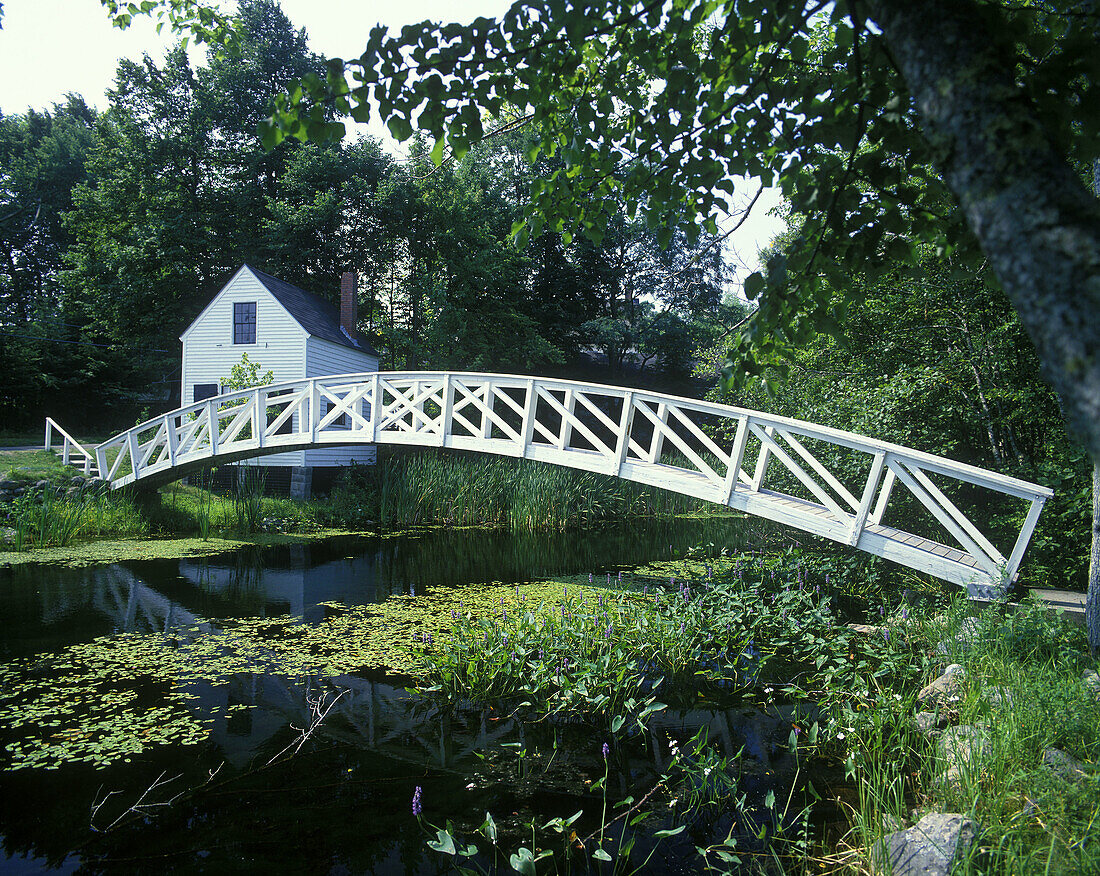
<point x="519" y="495"/>
<point x="48" y="520"/>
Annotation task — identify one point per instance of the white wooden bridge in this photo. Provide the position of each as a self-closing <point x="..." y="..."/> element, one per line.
<point x="828" y="482"/>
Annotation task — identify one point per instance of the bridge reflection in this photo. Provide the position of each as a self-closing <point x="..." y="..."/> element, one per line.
<point x="255" y="713"/>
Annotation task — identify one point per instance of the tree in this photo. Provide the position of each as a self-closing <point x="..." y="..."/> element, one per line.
<point x="42" y="156"/>
<point x="663" y="104"/>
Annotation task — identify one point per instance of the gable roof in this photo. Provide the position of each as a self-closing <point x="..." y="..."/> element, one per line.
<point x="317" y="316"/>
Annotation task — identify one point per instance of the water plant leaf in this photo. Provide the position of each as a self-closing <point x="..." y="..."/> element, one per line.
<point x="443" y="843"/>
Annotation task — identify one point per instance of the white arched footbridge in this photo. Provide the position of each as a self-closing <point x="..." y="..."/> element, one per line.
<point x="828" y="482"/>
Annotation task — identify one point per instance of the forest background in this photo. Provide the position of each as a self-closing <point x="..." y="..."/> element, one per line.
<point x="117" y="227"/>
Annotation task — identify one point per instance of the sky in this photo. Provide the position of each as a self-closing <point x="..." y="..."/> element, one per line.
<point x="49" y="48"/>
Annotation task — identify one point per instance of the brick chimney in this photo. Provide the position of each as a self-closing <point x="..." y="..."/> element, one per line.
<point x="349" y="303"/>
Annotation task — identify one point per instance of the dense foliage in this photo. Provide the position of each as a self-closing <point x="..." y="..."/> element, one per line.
<point x="117" y="227"/>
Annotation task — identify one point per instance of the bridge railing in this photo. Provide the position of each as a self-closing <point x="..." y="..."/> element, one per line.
<point x="832" y="483"/>
<point x="70" y="447"/>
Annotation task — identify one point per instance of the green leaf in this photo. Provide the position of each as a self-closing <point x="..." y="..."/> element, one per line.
<point x="523" y="862"/>
<point x="437" y="152"/>
<point x="601" y="855"/>
<point x="400" y="128"/>
<point x="443" y="843"/>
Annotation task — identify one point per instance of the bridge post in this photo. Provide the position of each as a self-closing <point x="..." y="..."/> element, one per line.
<point x="762" y="461"/>
<point x="884" y="496"/>
<point x="212" y="426"/>
<point x="132" y="447"/>
<point x="566" y="420"/>
<point x="314" y="410"/>
<point x="658" y="442"/>
<point x="259" y="423"/>
<point x="867" y="498"/>
<point x="445" y="410"/>
<point x="529" y="405"/>
<point x="737" y="456"/>
<point x="486" y="421"/>
<point x="626" y="421"/>
<point x="171" y="438"/>
<point x="375" y="408"/>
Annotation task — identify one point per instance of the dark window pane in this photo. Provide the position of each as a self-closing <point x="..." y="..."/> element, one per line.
<point x="244" y="322"/>
<point x="204" y="391"/>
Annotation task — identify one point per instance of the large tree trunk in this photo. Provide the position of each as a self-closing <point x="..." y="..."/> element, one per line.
<point x="1037" y="223"/>
<point x="1092" y="599"/>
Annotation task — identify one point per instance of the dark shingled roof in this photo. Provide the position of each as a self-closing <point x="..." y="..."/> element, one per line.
<point x="318" y="317"/>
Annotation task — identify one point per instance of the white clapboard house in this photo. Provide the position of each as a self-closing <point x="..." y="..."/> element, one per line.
<point x="290" y="332"/>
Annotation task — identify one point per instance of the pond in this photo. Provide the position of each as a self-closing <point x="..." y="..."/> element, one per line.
<point x="222" y="770"/>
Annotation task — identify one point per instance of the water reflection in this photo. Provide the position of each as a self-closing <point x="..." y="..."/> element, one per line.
<point x="342" y="805"/>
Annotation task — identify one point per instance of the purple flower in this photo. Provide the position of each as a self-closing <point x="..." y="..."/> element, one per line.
<point x="905" y="612"/>
<point x="417" y="809"/>
<point x="606" y="750"/>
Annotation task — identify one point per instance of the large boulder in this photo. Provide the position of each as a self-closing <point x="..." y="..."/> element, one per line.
<point x="930" y="847"/>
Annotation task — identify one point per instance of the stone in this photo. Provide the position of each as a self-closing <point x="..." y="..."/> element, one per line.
<point x="961" y="749"/>
<point x="1064" y="765"/>
<point x="930" y="847"/>
<point x="1092" y="682"/>
<point x="866" y="629"/>
<point x="77" y="481"/>
<point x="927" y="723"/>
<point x="42" y="484"/>
<point x="947" y="688"/>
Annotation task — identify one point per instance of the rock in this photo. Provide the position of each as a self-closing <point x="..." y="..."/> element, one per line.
<point x="866" y="629"/>
<point x="947" y="688"/>
<point x="42" y="484"/>
<point x="927" y="723"/>
<point x="7" y="485"/>
<point x="1065" y="766"/>
<point x="930" y="847"/>
<point x="960" y="750"/>
<point x="77" y="481"/>
<point x="1092" y="682"/>
<point x="963" y="639"/>
<point x="7" y="536"/>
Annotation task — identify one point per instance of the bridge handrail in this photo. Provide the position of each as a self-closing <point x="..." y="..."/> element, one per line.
<point x="68" y="445"/>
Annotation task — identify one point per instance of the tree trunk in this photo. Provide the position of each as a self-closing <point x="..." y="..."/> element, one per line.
<point x="1037" y="223"/>
<point x="1035" y="220"/>
<point x="1092" y="600"/>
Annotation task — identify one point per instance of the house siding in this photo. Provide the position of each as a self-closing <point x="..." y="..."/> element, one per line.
<point x="322" y="359"/>
<point x="209" y="353"/>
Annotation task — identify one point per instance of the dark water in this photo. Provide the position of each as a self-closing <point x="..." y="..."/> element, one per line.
<point x="342" y="803"/>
